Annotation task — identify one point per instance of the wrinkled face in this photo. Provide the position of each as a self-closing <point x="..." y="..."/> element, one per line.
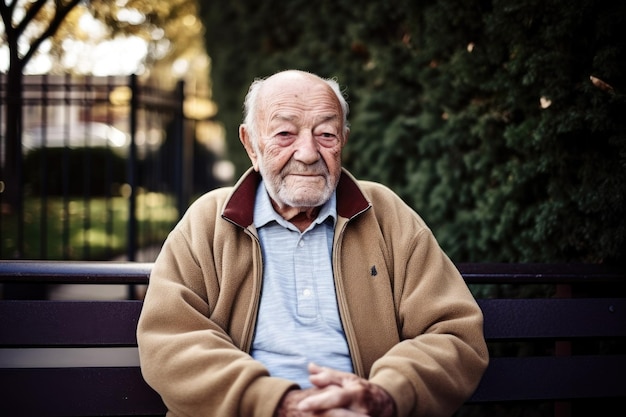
<point x="297" y="148"/>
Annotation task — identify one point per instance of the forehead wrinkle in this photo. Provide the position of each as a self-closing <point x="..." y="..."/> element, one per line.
<point x="291" y="103"/>
<point x="284" y="117"/>
<point x="297" y="94"/>
<point x="327" y="118"/>
<point x="294" y="118"/>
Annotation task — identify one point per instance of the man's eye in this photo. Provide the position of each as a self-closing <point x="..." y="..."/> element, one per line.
<point x="327" y="139"/>
<point x="284" y="138"/>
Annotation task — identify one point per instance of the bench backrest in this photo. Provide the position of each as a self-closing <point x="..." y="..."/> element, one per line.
<point x="72" y="357"/>
<point x="79" y="358"/>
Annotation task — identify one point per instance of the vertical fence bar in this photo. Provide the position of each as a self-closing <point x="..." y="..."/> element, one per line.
<point x="19" y="169"/>
<point x="43" y="238"/>
<point x="108" y="192"/>
<point x="3" y="140"/>
<point x="132" y="171"/>
<point x="179" y="140"/>
<point x="87" y="105"/>
<point x="131" y="243"/>
<point x="66" y="170"/>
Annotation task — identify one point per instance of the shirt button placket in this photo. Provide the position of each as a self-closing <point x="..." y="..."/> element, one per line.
<point x="304" y="280"/>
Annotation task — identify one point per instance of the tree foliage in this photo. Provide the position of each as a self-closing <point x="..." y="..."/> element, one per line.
<point x="502" y="123"/>
<point x="170" y="29"/>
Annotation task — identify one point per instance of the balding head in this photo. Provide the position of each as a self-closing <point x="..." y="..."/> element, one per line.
<point x="260" y="88"/>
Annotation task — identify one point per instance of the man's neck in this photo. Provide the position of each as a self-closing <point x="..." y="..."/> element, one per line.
<point x="299" y="217"/>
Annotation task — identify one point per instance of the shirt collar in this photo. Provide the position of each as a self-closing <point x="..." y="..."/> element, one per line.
<point x="264" y="212"/>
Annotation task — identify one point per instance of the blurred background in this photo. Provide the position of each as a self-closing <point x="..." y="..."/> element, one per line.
<point x="502" y="123"/>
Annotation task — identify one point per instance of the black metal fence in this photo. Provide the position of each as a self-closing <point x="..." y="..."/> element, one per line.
<point x="105" y="167"/>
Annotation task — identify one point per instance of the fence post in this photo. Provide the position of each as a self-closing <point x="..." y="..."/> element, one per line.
<point x="181" y="188"/>
<point x="131" y="171"/>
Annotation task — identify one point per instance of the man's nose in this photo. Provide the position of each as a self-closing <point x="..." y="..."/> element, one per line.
<point x="307" y="150"/>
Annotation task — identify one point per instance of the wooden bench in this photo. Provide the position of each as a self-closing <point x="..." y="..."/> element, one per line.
<point x="563" y="353"/>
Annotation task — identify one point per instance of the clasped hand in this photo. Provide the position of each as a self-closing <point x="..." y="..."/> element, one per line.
<point x="336" y="394"/>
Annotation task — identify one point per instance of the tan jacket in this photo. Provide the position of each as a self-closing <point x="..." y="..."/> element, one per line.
<point x="411" y="324"/>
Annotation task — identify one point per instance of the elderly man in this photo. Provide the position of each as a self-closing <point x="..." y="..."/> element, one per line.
<point x="303" y="292"/>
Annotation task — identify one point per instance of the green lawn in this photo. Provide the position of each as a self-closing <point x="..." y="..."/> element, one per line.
<point x="79" y="229"/>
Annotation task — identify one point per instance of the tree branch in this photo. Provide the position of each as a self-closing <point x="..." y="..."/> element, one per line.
<point x="4" y="8"/>
<point x="6" y="11"/>
<point x="61" y="12"/>
<point x="31" y="12"/>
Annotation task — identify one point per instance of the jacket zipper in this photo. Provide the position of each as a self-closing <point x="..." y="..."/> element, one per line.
<point x="256" y="296"/>
<point x="355" y="355"/>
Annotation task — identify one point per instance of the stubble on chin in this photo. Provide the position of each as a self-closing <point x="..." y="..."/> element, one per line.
<point x="292" y="188"/>
<point x="304" y="193"/>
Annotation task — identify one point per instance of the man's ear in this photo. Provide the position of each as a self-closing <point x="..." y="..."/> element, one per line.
<point x="246" y="140"/>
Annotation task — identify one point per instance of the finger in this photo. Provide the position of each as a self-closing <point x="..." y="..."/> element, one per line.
<point x="322" y="377"/>
<point x="341" y="412"/>
<point x="327" y="399"/>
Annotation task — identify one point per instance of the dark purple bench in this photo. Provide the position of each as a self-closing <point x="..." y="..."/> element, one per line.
<point x="564" y="353"/>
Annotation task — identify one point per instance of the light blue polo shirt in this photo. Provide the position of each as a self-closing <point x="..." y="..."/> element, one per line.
<point x="298" y="320"/>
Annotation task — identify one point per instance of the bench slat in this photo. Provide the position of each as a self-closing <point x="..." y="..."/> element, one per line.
<point x="510" y="319"/>
<point x="122" y="391"/>
<point x="540" y="273"/>
<point x="114" y="323"/>
<point x="69" y="323"/>
<point x="90" y="391"/>
<point x="74" y="272"/>
<point x="553" y="377"/>
<point x="102" y="272"/>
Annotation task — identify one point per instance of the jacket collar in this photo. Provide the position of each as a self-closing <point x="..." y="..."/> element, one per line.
<point x="239" y="208"/>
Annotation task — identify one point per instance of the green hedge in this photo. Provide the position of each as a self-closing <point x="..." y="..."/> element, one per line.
<point x="73" y="171"/>
<point x="502" y="123"/>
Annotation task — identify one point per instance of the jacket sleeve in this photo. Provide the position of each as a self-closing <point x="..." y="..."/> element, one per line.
<point x="186" y="356"/>
<point x="442" y="353"/>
